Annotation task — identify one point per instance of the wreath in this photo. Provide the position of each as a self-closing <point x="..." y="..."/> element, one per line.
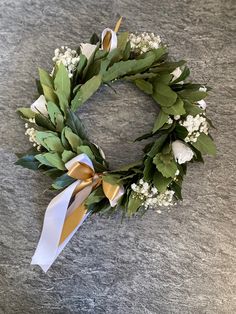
<point x="62" y="149"/>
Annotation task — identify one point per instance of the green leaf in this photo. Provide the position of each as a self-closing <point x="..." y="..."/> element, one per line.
<point x="59" y="122"/>
<point x="123" y="68"/>
<point x="94" y="39"/>
<point x="165" y="164"/>
<point x="122" y="39"/>
<point x="80" y="67"/>
<point x="26" y="113"/>
<point x="62" y="182"/>
<point x="86" y="150"/>
<point x="72" y="138"/>
<point x="168" y="66"/>
<point x="63" y="101"/>
<point x="46" y="82"/>
<point x="133" y="204"/>
<point x="67" y="155"/>
<point x="149" y="169"/>
<point x="161" y="182"/>
<point x="177" y="189"/>
<point x="192" y="95"/>
<point x="45" y="78"/>
<point x="205" y="145"/>
<point x="176" y="109"/>
<point x="112" y="178"/>
<point x="164" y="78"/>
<point x="76" y="125"/>
<point x="181" y="131"/>
<point x="160" y="121"/>
<point x="50" y="141"/>
<point x="164" y="95"/>
<point x="144" y="86"/>
<point x="44" y="122"/>
<point x="49" y="93"/>
<point x="86" y="91"/>
<point x="157" y="146"/>
<point x="62" y="81"/>
<point x="95" y="197"/>
<point x="51" y="159"/>
<point x="191" y="109"/>
<point x="112" y="57"/>
<point x="28" y="161"/>
<point x="53" y="110"/>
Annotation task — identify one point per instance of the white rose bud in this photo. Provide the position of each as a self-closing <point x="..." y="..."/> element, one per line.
<point x="182" y="152"/>
<point x="40" y="105"/>
<point x="202" y="104"/>
<point x="109" y="43"/>
<point x="176" y="74"/>
<point x="87" y="49"/>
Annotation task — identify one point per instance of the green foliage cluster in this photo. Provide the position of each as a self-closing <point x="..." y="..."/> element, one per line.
<point x="62" y="136"/>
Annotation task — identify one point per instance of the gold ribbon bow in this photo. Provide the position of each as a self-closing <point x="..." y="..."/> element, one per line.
<point x="88" y="177"/>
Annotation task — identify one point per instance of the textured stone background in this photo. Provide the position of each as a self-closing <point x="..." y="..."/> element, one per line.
<point x="182" y="261"/>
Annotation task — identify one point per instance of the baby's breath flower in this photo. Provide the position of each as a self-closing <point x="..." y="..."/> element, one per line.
<point x="31" y="132"/>
<point x="150" y="195"/>
<point x="141" y="43"/>
<point x="195" y="126"/>
<point x="68" y="57"/>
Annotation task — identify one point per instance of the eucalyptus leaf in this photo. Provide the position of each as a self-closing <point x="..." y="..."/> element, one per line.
<point x="123" y="68"/>
<point x="26" y="113"/>
<point x="161" y="182"/>
<point x="157" y="146"/>
<point x="176" y="109"/>
<point x="62" y="182"/>
<point x="205" y="145"/>
<point x="49" y="140"/>
<point x="51" y="159"/>
<point x="62" y="81"/>
<point x="44" y="122"/>
<point x="166" y="165"/>
<point x="29" y="162"/>
<point x="164" y="95"/>
<point x="73" y="139"/>
<point x="160" y="121"/>
<point x="86" y="150"/>
<point x="53" y="110"/>
<point x="192" y="95"/>
<point x="86" y="91"/>
<point x="144" y="86"/>
<point x="73" y="121"/>
<point x="122" y="39"/>
<point x="134" y="204"/>
<point x="67" y="155"/>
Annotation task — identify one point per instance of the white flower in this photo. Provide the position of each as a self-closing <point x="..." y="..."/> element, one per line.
<point x="202" y="89"/>
<point x="87" y="49"/>
<point x="40" y="106"/>
<point x="176" y="74"/>
<point x="141" y="43"/>
<point x="202" y="104"/>
<point x="182" y="152"/>
<point x="112" y="43"/>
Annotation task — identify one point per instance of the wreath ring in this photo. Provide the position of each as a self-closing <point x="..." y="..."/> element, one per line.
<point x="62" y="149"/>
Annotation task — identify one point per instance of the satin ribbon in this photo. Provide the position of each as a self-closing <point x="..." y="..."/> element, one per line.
<point x="66" y="212"/>
<point x="109" y="38"/>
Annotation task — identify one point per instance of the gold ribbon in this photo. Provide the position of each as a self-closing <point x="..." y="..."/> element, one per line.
<point x="87" y="176"/>
<point x="107" y="38"/>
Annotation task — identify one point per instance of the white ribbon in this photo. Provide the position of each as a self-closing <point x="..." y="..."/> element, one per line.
<point x="48" y="249"/>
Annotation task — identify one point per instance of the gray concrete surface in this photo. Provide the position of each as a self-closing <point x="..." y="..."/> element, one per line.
<point x="182" y="261"/>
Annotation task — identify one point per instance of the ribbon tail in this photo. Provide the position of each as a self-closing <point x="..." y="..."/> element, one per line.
<point x="51" y="242"/>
